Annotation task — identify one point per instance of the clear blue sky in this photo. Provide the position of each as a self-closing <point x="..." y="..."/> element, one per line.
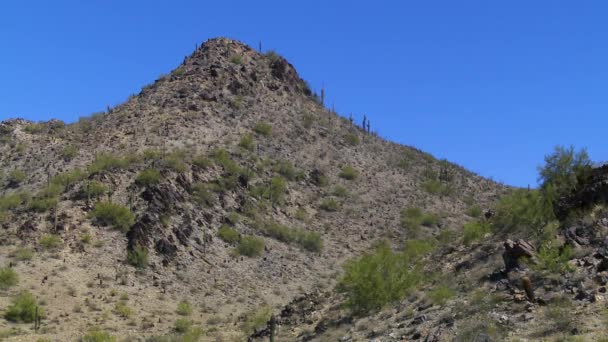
<point x="491" y="85"/>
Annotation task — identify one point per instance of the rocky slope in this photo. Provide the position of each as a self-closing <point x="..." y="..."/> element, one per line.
<point x="239" y="140"/>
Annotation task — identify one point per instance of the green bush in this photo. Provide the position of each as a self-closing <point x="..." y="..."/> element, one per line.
<point x="412" y="218"/>
<point x="524" y="213"/>
<point x="33" y="128"/>
<point x="148" y="177"/>
<point x="42" y="204"/>
<point x="69" y="152"/>
<point x="565" y="169"/>
<point x="49" y="241"/>
<point x="108" y="162"/>
<point x="23" y="309"/>
<point x="23" y="254"/>
<point x="310" y="241"/>
<point x="351" y="139"/>
<point x="340" y="191"/>
<point x="66" y="179"/>
<point x="12" y="201"/>
<point x="182" y="325"/>
<point x="138" y="257"/>
<point x="435" y="187"/>
<point x="247" y="142"/>
<point x="440" y="294"/>
<point x="349" y="173"/>
<point x="201" y="161"/>
<point x="256" y="319"/>
<point x="381" y="277"/>
<point x="250" y="246"/>
<point x="8" y="278"/>
<point x="263" y="128"/>
<point x="552" y="258"/>
<point x="202" y="195"/>
<point x="184" y="308"/>
<point x="329" y="204"/>
<point x="96" y="335"/>
<point x="222" y="158"/>
<point x="236" y="59"/>
<point x="286" y="169"/>
<point x="16" y="177"/>
<point x="228" y="234"/>
<point x="175" y="161"/>
<point x="474" y="231"/>
<point x="474" y="211"/>
<point x="307" y="120"/>
<point x="94" y="189"/>
<point x="113" y="215"/>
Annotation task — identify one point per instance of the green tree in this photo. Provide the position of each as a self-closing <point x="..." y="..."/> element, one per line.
<point x="565" y="168"/>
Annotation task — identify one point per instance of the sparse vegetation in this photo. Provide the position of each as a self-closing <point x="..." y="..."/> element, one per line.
<point x="108" y="162"/>
<point x="349" y="173"/>
<point x="50" y="241"/>
<point x="351" y="139"/>
<point x="228" y="234"/>
<point x="16" y="177"/>
<point x="202" y="195"/>
<point x="436" y="187"/>
<point x="474" y="231"/>
<point x="113" y="215"/>
<point x="263" y="128"/>
<point x="148" y="177"/>
<point x="69" y="152"/>
<point x="440" y="294"/>
<point x="329" y="204"/>
<point x="184" y="308"/>
<point x="94" y="189"/>
<point x="96" y="335"/>
<point x="247" y="142"/>
<point x="474" y="211"/>
<point x="138" y="257"/>
<point x="310" y="241"/>
<point x="412" y="218"/>
<point x="250" y="246"/>
<point x="256" y="319"/>
<point x="23" y="308"/>
<point x="8" y="278"/>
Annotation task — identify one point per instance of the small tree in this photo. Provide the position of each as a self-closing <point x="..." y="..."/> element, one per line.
<point x="565" y="169"/>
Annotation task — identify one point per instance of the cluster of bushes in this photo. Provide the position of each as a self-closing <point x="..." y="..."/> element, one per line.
<point x="148" y="177"/>
<point x="113" y="215"/>
<point x="138" y="257"/>
<point x="109" y="162"/>
<point x="263" y="128"/>
<point x="23" y="309"/>
<point x="202" y="195"/>
<point x="475" y="230"/>
<point x="348" y="173"/>
<point x="329" y="204"/>
<point x="310" y="241"/>
<point x="274" y="191"/>
<point x="382" y="276"/>
<point x="228" y="234"/>
<point x="413" y="218"/>
<point x="8" y="278"/>
<point x="250" y="246"/>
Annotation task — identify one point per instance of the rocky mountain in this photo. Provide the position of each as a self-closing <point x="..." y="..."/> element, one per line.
<point x="225" y="193"/>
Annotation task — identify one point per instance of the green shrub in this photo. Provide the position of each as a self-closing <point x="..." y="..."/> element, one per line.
<point x="412" y="218"/>
<point x="381" y="277"/>
<point x="123" y="310"/>
<point x="222" y="158"/>
<point x="277" y="190"/>
<point x="201" y="161"/>
<point x="65" y="180"/>
<point x="329" y="204"/>
<point x="113" y="215"/>
<point x="94" y="189"/>
<point x="69" y="152"/>
<point x="263" y="128"/>
<point x="202" y="195"/>
<point x="182" y="325"/>
<point x="175" y="161"/>
<point x="184" y="308"/>
<point x="435" y="187"/>
<point x="348" y="173"/>
<point x="553" y="259"/>
<point x="524" y="213"/>
<point x="42" y="204"/>
<point x="351" y="139"/>
<point x="96" y="335"/>
<point x="148" y="177"/>
<point x="33" y="128"/>
<point x="16" y="177"/>
<point x="228" y="234"/>
<point x="250" y="246"/>
<point x="307" y="120"/>
<point x="310" y="241"/>
<point x="474" y="231"/>
<point x="8" y="278"/>
<point x="23" y="309"/>
<point x="440" y="294"/>
<point x="236" y="59"/>
<point x="340" y="191"/>
<point x="474" y="211"/>
<point x="50" y="241"/>
<point x="23" y="254"/>
<point x="256" y="319"/>
<point x="564" y="169"/>
<point x="108" y="162"/>
<point x="12" y="201"/>
<point x="138" y="257"/>
<point x="286" y="169"/>
<point x="247" y="142"/>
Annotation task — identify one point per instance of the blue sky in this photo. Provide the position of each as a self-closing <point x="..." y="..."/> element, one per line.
<point x="490" y="85"/>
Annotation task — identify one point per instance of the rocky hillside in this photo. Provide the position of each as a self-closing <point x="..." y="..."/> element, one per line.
<point x="215" y="197"/>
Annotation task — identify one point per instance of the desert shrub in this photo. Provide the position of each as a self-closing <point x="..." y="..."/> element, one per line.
<point x="8" y="278"/>
<point x="565" y="169"/>
<point x="329" y="204"/>
<point x="307" y="120"/>
<point x="175" y="161"/>
<point x="86" y="238"/>
<point x="286" y="169"/>
<point x="96" y="335"/>
<point x="310" y="241"/>
<point x="184" y="308"/>
<point x="228" y="234"/>
<point x="440" y="294"/>
<point x="33" y="128"/>
<point x="16" y="177"/>
<point x="201" y="161"/>
<point x="250" y="246"/>
<point x="42" y="204"/>
<point x="412" y="218"/>
<point x="560" y="314"/>
<point x="12" y="201"/>
<point x="108" y="162"/>
<point x="94" y="189"/>
<point x="262" y="128"/>
<point x="66" y="179"/>
<point x="524" y="213"/>
<point x="148" y="177"/>
<point x="23" y="309"/>
<point x="23" y="254"/>
<point x="349" y="173"/>
<point x="69" y="152"/>
<point x="553" y="258"/>
<point x="256" y="319"/>
<point x="380" y="277"/>
<point x="138" y="257"/>
<point x="474" y="231"/>
<point x="123" y="310"/>
<point x="182" y="325"/>
<point x="340" y="191"/>
<point x="436" y="187"/>
<point x="474" y="211"/>
<point x="202" y="195"/>
<point x="277" y="189"/>
<point x="152" y="154"/>
<point x="222" y="158"/>
<point x="351" y="139"/>
<point x="50" y="241"/>
<point x="247" y="142"/>
<point x="236" y="59"/>
<point x="113" y="215"/>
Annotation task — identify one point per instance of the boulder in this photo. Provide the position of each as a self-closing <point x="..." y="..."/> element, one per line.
<point x="514" y="251"/>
